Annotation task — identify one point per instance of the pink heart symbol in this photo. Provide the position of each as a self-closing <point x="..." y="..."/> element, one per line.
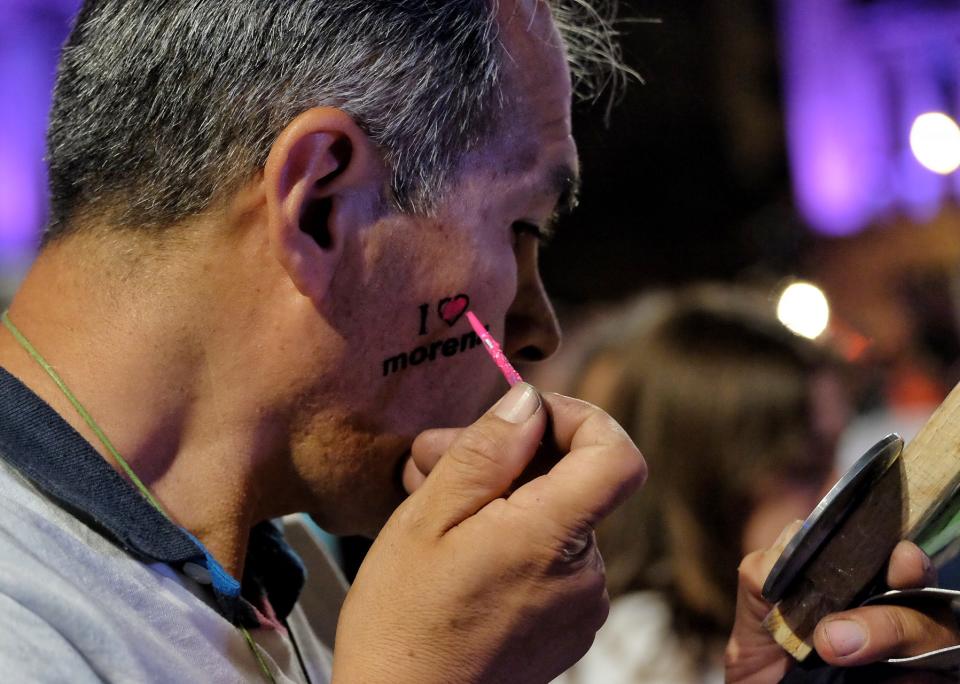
<point x="451" y="309"/>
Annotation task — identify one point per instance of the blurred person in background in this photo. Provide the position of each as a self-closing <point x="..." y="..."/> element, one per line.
<point x="738" y="419"/>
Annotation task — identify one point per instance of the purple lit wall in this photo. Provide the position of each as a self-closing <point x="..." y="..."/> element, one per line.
<point x="31" y="32"/>
<point x="856" y="75"/>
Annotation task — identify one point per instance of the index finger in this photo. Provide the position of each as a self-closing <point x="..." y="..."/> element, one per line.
<point x="602" y="466"/>
<point x="910" y="567"/>
<point x="576" y="423"/>
<point x="750" y="648"/>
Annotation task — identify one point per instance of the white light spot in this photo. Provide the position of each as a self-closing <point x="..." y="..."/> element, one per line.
<point x="803" y="308"/>
<point x="935" y="141"/>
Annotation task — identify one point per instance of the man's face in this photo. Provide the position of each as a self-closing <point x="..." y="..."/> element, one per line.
<point x="407" y="350"/>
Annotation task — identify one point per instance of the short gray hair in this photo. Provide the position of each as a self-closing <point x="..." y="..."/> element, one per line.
<point x="161" y="105"/>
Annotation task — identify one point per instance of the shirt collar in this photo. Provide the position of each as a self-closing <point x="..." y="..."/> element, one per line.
<point x="46" y="449"/>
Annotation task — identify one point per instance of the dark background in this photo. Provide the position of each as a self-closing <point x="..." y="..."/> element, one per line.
<point x="689" y="180"/>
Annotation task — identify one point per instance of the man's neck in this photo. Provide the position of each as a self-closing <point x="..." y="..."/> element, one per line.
<point x="167" y="406"/>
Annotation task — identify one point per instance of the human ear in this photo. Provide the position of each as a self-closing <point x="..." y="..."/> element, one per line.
<point x="320" y="163"/>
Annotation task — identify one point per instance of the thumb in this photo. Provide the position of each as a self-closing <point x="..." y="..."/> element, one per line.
<point x="866" y="635"/>
<point x="484" y="460"/>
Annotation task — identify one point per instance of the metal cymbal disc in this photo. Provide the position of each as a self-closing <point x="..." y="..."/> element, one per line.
<point x="829" y="513"/>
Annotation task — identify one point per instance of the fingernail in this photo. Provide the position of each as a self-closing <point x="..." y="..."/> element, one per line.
<point x="521" y="402"/>
<point x="845" y="637"/>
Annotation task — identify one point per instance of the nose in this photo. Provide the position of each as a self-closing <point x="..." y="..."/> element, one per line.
<point x="532" y="330"/>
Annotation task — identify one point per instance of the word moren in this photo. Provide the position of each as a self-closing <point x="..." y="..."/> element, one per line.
<point x="448" y="347"/>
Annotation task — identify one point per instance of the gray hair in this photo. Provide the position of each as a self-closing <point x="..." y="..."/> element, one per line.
<point x="161" y="105"/>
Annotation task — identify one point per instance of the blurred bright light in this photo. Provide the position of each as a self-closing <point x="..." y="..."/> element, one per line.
<point x="935" y="141"/>
<point x="803" y="308"/>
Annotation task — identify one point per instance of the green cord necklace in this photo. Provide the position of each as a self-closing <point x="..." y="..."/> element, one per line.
<point x="108" y="445"/>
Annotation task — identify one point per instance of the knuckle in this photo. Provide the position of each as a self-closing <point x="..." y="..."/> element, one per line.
<point x="574" y="550"/>
<point x="625" y="471"/>
<point x="601" y="609"/>
<point x="410" y="518"/>
<point x="589" y="600"/>
<point x="748" y="565"/>
<point x="731" y="654"/>
<point x="584" y="597"/>
<point x="584" y="642"/>
<point x="595" y="584"/>
<point x="894" y="629"/>
<point x="634" y="466"/>
<point x="420" y="443"/>
<point x="481" y="444"/>
<point x="736" y="656"/>
<point x="624" y="455"/>
<point x="751" y="573"/>
<point x="566" y="554"/>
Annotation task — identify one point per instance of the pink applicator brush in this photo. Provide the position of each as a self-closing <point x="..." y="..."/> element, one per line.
<point x="494" y="350"/>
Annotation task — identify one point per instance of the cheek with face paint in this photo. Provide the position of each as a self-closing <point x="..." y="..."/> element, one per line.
<point x="399" y="357"/>
<point x="449" y="311"/>
<point x="417" y="363"/>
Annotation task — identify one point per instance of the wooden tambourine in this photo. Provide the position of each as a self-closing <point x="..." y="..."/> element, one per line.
<point x="837" y="559"/>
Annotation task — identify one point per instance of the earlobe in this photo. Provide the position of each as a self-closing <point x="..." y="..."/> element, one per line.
<point x="319" y="162"/>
